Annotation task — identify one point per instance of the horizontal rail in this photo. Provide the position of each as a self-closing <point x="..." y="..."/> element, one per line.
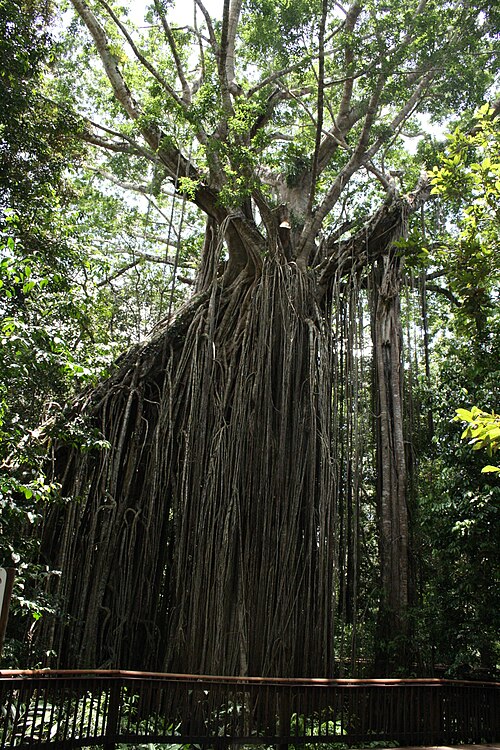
<point x="51" y="673"/>
<point x="69" y="709"/>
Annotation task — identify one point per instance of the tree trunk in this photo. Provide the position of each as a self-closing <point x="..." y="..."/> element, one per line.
<point x="204" y="540"/>
<point x="392" y="640"/>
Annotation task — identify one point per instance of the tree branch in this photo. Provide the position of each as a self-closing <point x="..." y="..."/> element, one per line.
<point x="143" y="188"/>
<point x="174" y="161"/>
<point x="109" y="145"/>
<point x="224" y="84"/>
<point x="142" y="59"/>
<point x="347" y="116"/>
<point x="371" y="111"/>
<point x="361" y="156"/>
<point x="342" y="124"/>
<point x="234" y="16"/>
<point x="315" y="221"/>
<point x="210" y="28"/>
<point x="445" y="293"/>
<point x="186" y="95"/>
<point x="120" y="88"/>
<point x="319" y="105"/>
<point x="273" y="99"/>
<point x="415" y="284"/>
<point x="404" y="112"/>
<point x="373" y="239"/>
<point x="139" y="259"/>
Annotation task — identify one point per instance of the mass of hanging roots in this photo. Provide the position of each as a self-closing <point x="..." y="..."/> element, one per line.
<point x="205" y="539"/>
<point x="221" y="530"/>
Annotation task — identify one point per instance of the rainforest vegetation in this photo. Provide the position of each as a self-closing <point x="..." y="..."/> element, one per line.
<point x="250" y="336"/>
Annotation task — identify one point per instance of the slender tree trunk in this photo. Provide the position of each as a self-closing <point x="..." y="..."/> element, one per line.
<point x="393" y="625"/>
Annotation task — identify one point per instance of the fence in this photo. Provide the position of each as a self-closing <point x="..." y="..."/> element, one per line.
<point x="64" y="709"/>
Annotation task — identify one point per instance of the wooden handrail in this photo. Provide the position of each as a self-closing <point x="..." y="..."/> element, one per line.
<point x="173" y="676"/>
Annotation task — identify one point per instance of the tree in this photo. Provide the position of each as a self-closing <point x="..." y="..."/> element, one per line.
<point x="217" y="505"/>
<point x="47" y="319"/>
<point x="457" y="516"/>
<point x="466" y="178"/>
<point x="468" y="175"/>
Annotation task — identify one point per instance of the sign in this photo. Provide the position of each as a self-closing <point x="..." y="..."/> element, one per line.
<point x="3" y="586"/>
<point x="6" y="583"/>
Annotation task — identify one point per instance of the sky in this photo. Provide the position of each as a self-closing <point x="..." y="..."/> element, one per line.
<point x="182" y="12"/>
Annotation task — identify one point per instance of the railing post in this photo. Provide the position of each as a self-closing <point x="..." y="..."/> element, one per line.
<point x="113" y="714"/>
<point x="284" y="718"/>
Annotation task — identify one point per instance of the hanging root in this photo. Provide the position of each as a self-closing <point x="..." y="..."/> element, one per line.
<point x="203" y="540"/>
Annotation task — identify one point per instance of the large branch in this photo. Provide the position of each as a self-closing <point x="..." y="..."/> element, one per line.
<point x="361" y="156"/>
<point x="315" y="220"/>
<point x="234" y="17"/>
<point x="319" y="105"/>
<point x="120" y="88"/>
<point x="143" y="188"/>
<point x="134" y="187"/>
<point x="117" y="147"/>
<point x="404" y="113"/>
<point x="241" y="234"/>
<point x="280" y="74"/>
<point x="343" y="122"/>
<point x="224" y="83"/>
<point x="371" y="112"/>
<point x="373" y="239"/>
<point x="210" y="28"/>
<point x="186" y="91"/>
<point x="305" y="61"/>
<point x="348" y="116"/>
<point x="140" y="258"/>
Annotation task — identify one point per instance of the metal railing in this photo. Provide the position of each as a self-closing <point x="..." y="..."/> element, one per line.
<point x="64" y="709"/>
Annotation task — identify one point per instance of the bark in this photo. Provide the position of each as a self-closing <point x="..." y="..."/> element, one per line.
<point x="233" y="18"/>
<point x="203" y="540"/>
<point x="392" y="479"/>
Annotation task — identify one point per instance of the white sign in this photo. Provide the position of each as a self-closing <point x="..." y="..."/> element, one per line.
<point x="3" y="583"/>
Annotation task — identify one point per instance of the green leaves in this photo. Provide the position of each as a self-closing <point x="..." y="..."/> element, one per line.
<point x="482" y="431"/>
<point x="188" y="187"/>
<point x="467" y="181"/>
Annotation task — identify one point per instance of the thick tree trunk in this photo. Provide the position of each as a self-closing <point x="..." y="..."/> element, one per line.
<point x="392" y="646"/>
<point x="204" y="540"/>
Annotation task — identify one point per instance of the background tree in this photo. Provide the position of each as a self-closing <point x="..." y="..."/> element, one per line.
<point x="51" y="339"/>
<point x="458" y="513"/>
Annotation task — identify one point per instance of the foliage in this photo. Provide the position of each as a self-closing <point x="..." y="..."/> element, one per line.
<point x="468" y="179"/>
<point x="482" y="431"/>
<point x="458" y="516"/>
<point x="457" y="512"/>
<point x="322" y="724"/>
<point x="46" y="316"/>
